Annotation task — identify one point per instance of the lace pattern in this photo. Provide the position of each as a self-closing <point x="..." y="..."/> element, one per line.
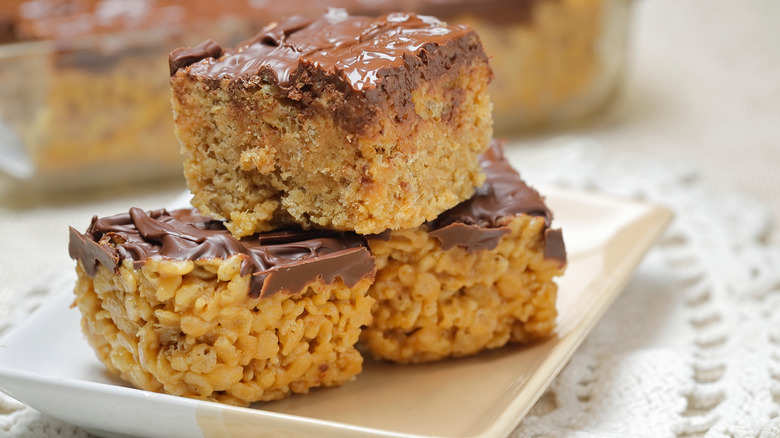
<point x="691" y="348"/>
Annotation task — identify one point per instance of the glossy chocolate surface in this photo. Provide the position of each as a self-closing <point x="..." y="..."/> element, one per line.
<point x="503" y="194"/>
<point x="182" y="57"/>
<point x="477" y="223"/>
<point x="284" y="261"/>
<point x="471" y="237"/>
<point x="358" y="50"/>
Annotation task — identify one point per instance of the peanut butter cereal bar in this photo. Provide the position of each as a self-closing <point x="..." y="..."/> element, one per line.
<point x="477" y="277"/>
<point x="342" y="122"/>
<point x="171" y="302"/>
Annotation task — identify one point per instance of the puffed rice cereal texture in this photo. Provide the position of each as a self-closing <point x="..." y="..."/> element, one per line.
<point x="433" y="304"/>
<point x="190" y="328"/>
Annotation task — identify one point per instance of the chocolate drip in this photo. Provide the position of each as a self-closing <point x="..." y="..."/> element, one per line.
<point x="282" y="261"/>
<point x="477" y="223"/>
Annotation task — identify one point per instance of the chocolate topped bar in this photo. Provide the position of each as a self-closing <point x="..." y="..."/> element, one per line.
<point x="479" y="222"/>
<point x="172" y="303"/>
<point x="280" y="261"/>
<point x="477" y="277"/>
<point x="342" y="122"/>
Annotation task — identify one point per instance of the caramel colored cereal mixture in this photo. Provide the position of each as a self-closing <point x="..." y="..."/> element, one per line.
<point x="190" y="328"/>
<point x="433" y="303"/>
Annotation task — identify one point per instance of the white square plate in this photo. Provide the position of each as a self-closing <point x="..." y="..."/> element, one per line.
<point x="46" y="363"/>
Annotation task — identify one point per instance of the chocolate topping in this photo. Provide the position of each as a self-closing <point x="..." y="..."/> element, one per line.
<point x="185" y="56"/>
<point x="471" y="237"/>
<point x="357" y="49"/>
<point x="502" y="195"/>
<point x="477" y="223"/>
<point x="359" y="69"/>
<point x="553" y="245"/>
<point x="282" y="261"/>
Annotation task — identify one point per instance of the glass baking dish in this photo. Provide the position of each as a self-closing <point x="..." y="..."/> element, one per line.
<point x="84" y="84"/>
<point x="555" y="61"/>
<point x="94" y="109"/>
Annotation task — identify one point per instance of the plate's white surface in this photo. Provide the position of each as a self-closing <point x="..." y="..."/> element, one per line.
<point x="47" y="364"/>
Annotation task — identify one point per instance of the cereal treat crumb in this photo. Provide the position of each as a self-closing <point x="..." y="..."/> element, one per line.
<point x="478" y="277"/>
<point x="171" y="302"/>
<point x="343" y="122"/>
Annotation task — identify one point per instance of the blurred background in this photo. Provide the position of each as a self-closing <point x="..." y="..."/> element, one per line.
<point x="86" y="126"/>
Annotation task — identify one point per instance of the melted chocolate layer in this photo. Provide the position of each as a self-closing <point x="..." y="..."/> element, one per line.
<point x="477" y="223"/>
<point x="283" y="261"/>
<point x="357" y="49"/>
<point x="184" y="56"/>
<point x="471" y="237"/>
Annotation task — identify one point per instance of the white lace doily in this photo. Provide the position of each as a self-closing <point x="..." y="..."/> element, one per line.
<point x="692" y="346"/>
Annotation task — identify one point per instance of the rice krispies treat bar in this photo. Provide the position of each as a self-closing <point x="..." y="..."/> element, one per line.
<point x="478" y="277"/>
<point x="172" y="303"/>
<point x="343" y="122"/>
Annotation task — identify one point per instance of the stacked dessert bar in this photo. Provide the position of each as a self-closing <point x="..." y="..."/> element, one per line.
<point x="348" y="123"/>
<point x="348" y="198"/>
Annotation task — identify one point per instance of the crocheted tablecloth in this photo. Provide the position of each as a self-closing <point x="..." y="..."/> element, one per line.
<point x="692" y="346"/>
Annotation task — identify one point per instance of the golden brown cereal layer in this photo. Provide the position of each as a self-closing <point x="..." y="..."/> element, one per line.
<point x="433" y="304"/>
<point x="190" y="328"/>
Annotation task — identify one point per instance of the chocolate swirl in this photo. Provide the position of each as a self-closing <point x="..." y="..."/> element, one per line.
<point x="284" y="261"/>
<point x="477" y="223"/>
